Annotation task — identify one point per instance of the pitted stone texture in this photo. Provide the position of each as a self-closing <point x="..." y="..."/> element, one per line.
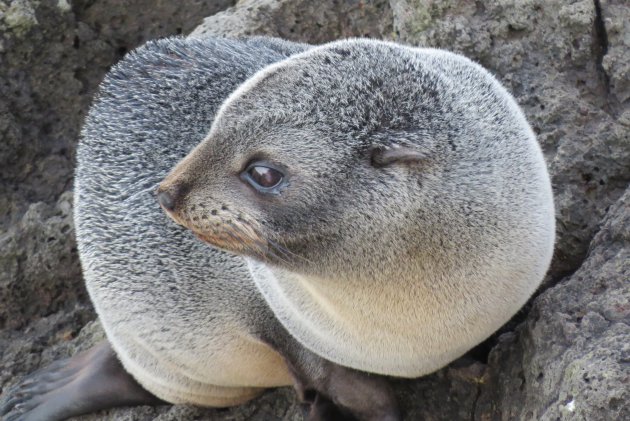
<point x="615" y="16"/>
<point x="40" y="265"/>
<point x="53" y="54"/>
<point x="302" y="20"/>
<point x="569" y="360"/>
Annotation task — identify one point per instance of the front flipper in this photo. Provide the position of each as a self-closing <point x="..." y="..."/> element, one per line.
<point x="315" y="407"/>
<point x="356" y="395"/>
<point x="329" y="391"/>
<point x="85" y="383"/>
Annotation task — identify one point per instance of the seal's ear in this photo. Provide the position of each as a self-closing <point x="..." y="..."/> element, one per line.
<point x="383" y="156"/>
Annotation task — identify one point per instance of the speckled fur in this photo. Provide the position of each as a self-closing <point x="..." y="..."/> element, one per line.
<point x="396" y="268"/>
<point x="177" y="312"/>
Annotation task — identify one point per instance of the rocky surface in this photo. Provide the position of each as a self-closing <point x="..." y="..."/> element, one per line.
<point x="53" y="55"/>
<point x="571" y="357"/>
<point x="565" y="356"/>
<point x="303" y="20"/>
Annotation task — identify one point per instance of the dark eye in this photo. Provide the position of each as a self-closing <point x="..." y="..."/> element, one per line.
<point x="264" y="178"/>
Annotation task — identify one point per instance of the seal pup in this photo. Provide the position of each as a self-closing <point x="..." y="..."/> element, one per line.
<point x="381" y="193"/>
<point x="392" y="203"/>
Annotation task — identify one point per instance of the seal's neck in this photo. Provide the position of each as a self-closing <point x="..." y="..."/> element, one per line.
<point x="348" y="302"/>
<point x="367" y="324"/>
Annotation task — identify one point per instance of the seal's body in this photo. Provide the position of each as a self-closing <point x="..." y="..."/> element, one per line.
<point x="372" y="207"/>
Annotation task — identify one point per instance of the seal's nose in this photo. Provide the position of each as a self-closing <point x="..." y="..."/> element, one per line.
<point x="171" y="195"/>
<point x="166" y="200"/>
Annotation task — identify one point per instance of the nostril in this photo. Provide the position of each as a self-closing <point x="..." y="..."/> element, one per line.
<point x="172" y="195"/>
<point x="166" y="200"/>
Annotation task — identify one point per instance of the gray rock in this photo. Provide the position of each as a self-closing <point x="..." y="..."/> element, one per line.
<point x="569" y="360"/>
<point x="615" y="18"/>
<point x="565" y="356"/>
<point x="41" y="271"/>
<point x="53" y="54"/>
<point x="301" y="20"/>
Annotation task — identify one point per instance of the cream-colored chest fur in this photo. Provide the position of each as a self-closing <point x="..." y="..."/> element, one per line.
<point x="407" y="326"/>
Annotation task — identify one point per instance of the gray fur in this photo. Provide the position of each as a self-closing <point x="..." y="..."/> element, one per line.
<point x="163" y="297"/>
<point x="418" y="215"/>
<point x="417" y="218"/>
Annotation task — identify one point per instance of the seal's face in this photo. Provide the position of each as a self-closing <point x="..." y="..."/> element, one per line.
<point x="273" y="201"/>
<point x="324" y="161"/>
<point x="305" y="162"/>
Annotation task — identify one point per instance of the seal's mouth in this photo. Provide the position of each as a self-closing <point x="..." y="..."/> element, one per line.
<point x="236" y="235"/>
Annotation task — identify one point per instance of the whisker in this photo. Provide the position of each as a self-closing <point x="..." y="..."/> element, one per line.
<point x="272" y="245"/>
<point x="274" y="248"/>
<point x="240" y="237"/>
<point x="287" y="251"/>
<point x="238" y="234"/>
<point x="275" y="252"/>
<point x="233" y="235"/>
<point x="262" y="248"/>
<point x="281" y="249"/>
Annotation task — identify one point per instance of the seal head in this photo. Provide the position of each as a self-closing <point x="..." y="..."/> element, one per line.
<point x="392" y="202"/>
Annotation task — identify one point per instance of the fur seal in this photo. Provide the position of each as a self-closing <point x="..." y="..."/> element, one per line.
<point x="408" y="193"/>
<point x="372" y="207"/>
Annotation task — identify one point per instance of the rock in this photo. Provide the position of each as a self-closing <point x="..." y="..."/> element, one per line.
<point x="614" y="27"/>
<point x="301" y="20"/>
<point x="569" y="360"/>
<point x="565" y="356"/>
<point x="20" y="17"/>
<point x="53" y="54"/>
<point x="41" y="266"/>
